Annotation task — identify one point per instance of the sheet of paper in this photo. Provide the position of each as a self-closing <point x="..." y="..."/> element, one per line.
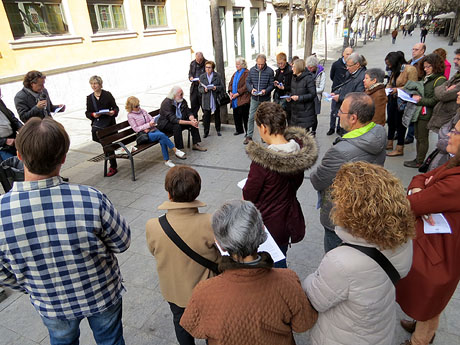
<point x="58" y="109"/>
<point x="327" y="96"/>
<point x="195" y="79"/>
<point x="103" y="111"/>
<point x="441" y="226"/>
<point x="155" y="118"/>
<point x="242" y="183"/>
<point x="286" y="96"/>
<point x="405" y="96"/>
<point x="268" y="246"/>
<point x="388" y="90"/>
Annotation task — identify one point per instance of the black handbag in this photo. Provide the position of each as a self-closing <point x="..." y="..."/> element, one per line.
<point x="426" y="164"/>
<point x="179" y="242"/>
<point x="142" y="138"/>
<point x="223" y="98"/>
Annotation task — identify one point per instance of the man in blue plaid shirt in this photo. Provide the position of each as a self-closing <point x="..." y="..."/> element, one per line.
<point x="58" y="242"/>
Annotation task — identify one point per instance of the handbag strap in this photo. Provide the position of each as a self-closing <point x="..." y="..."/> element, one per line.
<point x="381" y="259"/>
<point x="173" y="236"/>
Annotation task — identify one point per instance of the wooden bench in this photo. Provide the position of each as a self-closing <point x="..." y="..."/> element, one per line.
<point x="121" y="135"/>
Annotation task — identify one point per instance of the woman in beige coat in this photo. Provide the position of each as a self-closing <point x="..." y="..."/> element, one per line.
<point x="178" y="274"/>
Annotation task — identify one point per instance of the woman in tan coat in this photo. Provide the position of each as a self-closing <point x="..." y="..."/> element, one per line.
<point x="401" y="73"/>
<point x="178" y="274"/>
<point x="374" y="87"/>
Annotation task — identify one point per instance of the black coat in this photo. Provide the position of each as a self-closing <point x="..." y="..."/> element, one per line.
<point x="14" y="122"/>
<point x="303" y="111"/>
<point x="260" y="80"/>
<point x="26" y="105"/>
<point x="206" y="96"/>
<point x="168" y="113"/>
<point x="338" y="73"/>
<point x="283" y="76"/>
<point x="106" y="101"/>
<point x="354" y="83"/>
<point x="195" y="71"/>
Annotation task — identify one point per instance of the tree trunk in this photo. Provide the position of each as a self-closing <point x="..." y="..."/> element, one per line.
<point x="309" y="28"/>
<point x="455" y="32"/>
<point x="366" y="28"/>
<point x="218" y="51"/>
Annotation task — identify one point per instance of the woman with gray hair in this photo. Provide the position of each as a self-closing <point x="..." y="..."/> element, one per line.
<point x="320" y="80"/>
<point x="240" y="96"/>
<point x="246" y="284"/>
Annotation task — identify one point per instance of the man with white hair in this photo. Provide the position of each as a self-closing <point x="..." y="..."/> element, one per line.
<point x="175" y="116"/>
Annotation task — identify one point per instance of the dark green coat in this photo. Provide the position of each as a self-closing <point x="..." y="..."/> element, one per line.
<point x="429" y="100"/>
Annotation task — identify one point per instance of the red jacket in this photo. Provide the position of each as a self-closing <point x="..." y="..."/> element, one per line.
<point x="435" y="272"/>
<point x="273" y="181"/>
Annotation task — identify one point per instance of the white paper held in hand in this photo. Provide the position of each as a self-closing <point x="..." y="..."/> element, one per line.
<point x="268" y="246"/>
<point x="405" y="96"/>
<point x="441" y="226"/>
<point x="58" y="109"/>
<point x="242" y="183"/>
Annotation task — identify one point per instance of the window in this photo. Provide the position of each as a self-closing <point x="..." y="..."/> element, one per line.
<point x="279" y="28"/>
<point x="35" y="18"/>
<point x="255" y="47"/>
<point x="154" y="13"/>
<point x="106" y="15"/>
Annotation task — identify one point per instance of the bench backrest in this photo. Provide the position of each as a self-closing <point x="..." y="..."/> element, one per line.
<point x="120" y="132"/>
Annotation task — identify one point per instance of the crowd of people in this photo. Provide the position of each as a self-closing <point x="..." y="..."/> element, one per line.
<point x="59" y="241"/>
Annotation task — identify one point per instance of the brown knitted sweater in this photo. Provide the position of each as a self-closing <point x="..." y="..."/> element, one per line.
<point x="249" y="305"/>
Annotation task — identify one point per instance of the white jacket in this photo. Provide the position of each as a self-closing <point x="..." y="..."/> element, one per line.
<point x="354" y="296"/>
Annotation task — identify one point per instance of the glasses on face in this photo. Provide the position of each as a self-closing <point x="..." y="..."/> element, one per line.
<point x="341" y="112"/>
<point x="349" y="66"/>
<point x="453" y="131"/>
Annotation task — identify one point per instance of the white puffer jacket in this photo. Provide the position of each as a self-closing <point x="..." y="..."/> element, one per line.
<point x="354" y="296"/>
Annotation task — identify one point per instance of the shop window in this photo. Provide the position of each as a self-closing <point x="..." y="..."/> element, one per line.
<point x="106" y="15"/>
<point x="154" y="13"/>
<point x="35" y="18"/>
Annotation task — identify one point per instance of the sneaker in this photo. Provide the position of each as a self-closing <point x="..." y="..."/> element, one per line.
<point x="112" y="171"/>
<point x="219" y="134"/>
<point x="412" y="164"/>
<point x="197" y="147"/>
<point x="247" y="140"/>
<point x="180" y="154"/>
<point x="330" y="131"/>
<point x="170" y="164"/>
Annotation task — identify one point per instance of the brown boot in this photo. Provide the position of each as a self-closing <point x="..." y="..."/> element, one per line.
<point x="399" y="151"/>
<point x="390" y="145"/>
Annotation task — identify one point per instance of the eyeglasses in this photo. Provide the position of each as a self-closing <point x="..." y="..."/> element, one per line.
<point x="453" y="131"/>
<point x="348" y="66"/>
<point x="341" y="112"/>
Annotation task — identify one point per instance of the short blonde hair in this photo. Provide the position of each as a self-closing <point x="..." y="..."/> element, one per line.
<point x="370" y="203"/>
<point x="299" y="65"/>
<point x="95" y="79"/>
<point x="131" y="103"/>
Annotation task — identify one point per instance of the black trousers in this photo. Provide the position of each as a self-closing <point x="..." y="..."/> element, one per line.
<point x="240" y="117"/>
<point x="207" y="119"/>
<point x="395" y="121"/>
<point x="176" y="129"/>
<point x="112" y="161"/>
<point x="195" y="99"/>
<point x="183" y="337"/>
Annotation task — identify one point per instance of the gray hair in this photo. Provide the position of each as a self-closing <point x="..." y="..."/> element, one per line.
<point x="261" y="56"/>
<point x="95" y="79"/>
<point x="173" y="92"/>
<point x="376" y="73"/>
<point x="362" y="105"/>
<point x="238" y="228"/>
<point x="242" y="61"/>
<point x="312" y="61"/>
<point x="356" y="58"/>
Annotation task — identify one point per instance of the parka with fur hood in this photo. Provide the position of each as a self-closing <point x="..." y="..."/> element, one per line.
<point x="273" y="180"/>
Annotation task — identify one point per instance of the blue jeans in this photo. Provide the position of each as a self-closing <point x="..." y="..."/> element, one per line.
<point x="334" y="117"/>
<point x="410" y="132"/>
<point x="282" y="263"/>
<point x="5" y="155"/>
<point x="331" y="240"/>
<point x="252" y="110"/>
<point x="165" y="143"/>
<point x="106" y="326"/>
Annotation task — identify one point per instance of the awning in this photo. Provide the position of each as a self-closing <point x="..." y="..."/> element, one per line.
<point x="450" y="15"/>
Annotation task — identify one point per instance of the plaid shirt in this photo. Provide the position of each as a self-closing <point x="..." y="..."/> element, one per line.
<point x="57" y="243"/>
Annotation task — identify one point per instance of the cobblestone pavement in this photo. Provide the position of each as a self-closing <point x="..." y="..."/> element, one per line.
<point x="147" y="319"/>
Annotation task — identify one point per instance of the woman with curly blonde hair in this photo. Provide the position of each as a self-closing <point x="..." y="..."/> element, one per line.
<point x="353" y="294"/>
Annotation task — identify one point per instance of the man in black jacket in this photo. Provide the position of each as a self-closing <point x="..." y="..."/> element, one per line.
<point x="9" y="126"/>
<point x="260" y="83"/>
<point x="338" y="76"/>
<point x="175" y="116"/>
<point x="196" y="69"/>
<point x="33" y="100"/>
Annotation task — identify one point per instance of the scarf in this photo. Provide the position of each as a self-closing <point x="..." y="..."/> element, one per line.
<point x="212" y="102"/>
<point x="236" y="79"/>
<point x="47" y="109"/>
<point x="178" y="112"/>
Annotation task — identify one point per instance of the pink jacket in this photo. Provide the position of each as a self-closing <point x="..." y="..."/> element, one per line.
<point x="447" y="70"/>
<point x="140" y="120"/>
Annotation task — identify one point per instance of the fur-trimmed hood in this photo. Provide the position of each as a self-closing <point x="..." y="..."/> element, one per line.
<point x="282" y="162"/>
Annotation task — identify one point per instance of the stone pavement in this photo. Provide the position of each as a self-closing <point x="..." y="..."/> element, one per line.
<point x="147" y="319"/>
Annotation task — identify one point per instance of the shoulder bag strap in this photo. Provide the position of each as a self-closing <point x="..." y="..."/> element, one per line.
<point x="173" y="236"/>
<point x="381" y="259"/>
